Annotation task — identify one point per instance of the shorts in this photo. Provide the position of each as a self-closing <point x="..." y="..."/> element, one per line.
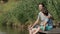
<point x="47" y="28"/>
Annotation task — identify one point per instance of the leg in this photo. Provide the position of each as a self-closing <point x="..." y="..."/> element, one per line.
<point x="31" y="31"/>
<point x="49" y="28"/>
<point x="34" y="30"/>
<point x="38" y="29"/>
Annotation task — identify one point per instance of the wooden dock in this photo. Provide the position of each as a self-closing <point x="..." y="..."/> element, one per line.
<point x="53" y="31"/>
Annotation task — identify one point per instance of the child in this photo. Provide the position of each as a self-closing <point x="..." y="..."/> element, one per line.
<point x="45" y="18"/>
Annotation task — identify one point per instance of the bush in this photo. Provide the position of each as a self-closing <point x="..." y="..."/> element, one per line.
<point x="27" y="10"/>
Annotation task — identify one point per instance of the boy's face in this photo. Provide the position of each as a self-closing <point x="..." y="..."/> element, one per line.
<point x="40" y="7"/>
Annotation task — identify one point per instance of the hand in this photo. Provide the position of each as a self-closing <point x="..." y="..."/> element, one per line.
<point x="48" y="16"/>
<point x="30" y="28"/>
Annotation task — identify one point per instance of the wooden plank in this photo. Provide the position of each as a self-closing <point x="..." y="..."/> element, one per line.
<point x="53" y="31"/>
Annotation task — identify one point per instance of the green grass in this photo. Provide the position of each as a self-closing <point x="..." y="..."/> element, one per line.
<point x="26" y="11"/>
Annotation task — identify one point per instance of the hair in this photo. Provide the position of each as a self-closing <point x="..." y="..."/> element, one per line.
<point x="41" y="4"/>
<point x="44" y="11"/>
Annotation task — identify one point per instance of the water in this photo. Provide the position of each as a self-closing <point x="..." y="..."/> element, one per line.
<point x="12" y="30"/>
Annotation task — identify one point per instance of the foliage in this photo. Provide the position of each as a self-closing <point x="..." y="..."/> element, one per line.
<point x="26" y="11"/>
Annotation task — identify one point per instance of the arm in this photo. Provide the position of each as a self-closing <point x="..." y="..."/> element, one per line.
<point x="35" y="23"/>
<point x="45" y="25"/>
<point x="50" y="17"/>
<point x="36" y="20"/>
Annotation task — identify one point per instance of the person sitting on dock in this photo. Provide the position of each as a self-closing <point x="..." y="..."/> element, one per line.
<point x="46" y="21"/>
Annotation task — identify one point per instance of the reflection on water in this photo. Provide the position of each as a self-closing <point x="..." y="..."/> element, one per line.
<point x="10" y="30"/>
